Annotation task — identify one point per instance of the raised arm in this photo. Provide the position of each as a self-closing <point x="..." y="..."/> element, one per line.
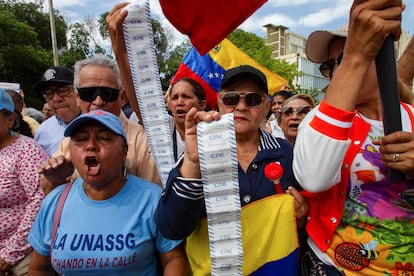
<point x="324" y="134"/>
<point x="370" y="23"/>
<point x="114" y="21"/>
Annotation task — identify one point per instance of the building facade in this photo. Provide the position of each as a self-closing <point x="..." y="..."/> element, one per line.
<point x="290" y="47"/>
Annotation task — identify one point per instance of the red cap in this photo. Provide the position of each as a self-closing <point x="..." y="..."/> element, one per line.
<point x="273" y="171"/>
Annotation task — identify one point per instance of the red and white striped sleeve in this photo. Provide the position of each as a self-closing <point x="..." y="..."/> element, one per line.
<point x="320" y="147"/>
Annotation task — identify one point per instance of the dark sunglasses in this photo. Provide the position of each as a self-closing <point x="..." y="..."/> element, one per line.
<point x="301" y="110"/>
<point x="327" y="67"/>
<point x="89" y="94"/>
<point x="251" y="98"/>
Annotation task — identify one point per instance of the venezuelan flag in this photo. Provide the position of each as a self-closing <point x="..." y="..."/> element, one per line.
<point x="269" y="236"/>
<point x="208" y="70"/>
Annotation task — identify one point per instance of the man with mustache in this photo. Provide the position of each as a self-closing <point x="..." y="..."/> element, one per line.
<point x="57" y="88"/>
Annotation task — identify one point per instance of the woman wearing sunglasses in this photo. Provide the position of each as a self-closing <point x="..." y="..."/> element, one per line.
<point x="292" y="113"/>
<point x="181" y="210"/>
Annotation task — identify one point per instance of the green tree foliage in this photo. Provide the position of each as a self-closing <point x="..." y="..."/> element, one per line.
<point x="78" y="45"/>
<point x="29" y="14"/>
<point x="69" y="57"/>
<point x="173" y="61"/>
<point x="103" y="29"/>
<point x="79" y="39"/>
<point x="23" y="55"/>
<point x="161" y="43"/>
<point x="83" y="40"/>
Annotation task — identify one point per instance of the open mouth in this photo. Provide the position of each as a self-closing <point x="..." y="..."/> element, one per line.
<point x="92" y="165"/>
<point x="294" y="125"/>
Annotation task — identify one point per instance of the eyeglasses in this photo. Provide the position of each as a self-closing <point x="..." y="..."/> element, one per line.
<point x="61" y="91"/>
<point x="301" y="110"/>
<point x="89" y="94"/>
<point x="327" y="67"/>
<point x="253" y="99"/>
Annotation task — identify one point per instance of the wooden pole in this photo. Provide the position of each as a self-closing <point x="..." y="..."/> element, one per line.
<point x="53" y="33"/>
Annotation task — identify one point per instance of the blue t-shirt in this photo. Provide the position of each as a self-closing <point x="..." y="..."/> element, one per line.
<point x="113" y="236"/>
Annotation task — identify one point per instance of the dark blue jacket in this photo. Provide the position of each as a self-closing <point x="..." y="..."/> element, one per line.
<point x="182" y="203"/>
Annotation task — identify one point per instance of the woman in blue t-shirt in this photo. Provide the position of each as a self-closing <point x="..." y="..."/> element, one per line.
<point x="106" y="225"/>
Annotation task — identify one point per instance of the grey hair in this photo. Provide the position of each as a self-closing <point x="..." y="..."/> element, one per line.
<point x="98" y="60"/>
<point x="35" y="114"/>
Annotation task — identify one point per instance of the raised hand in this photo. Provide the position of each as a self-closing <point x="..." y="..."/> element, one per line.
<point x="397" y="151"/>
<point x="56" y="171"/>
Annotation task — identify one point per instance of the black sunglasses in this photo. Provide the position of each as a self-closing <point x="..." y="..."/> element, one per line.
<point x="251" y="98"/>
<point x="89" y="94"/>
<point x="327" y="67"/>
<point x="301" y="110"/>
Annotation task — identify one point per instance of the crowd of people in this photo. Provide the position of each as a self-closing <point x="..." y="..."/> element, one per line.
<point x="80" y="191"/>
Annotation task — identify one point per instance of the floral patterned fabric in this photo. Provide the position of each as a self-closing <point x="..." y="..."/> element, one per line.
<point x="377" y="229"/>
<point x="20" y="196"/>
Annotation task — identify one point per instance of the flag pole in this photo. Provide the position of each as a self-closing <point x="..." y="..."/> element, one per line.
<point x="53" y="33"/>
<point x="390" y="97"/>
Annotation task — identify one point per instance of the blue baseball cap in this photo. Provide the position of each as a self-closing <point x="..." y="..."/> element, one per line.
<point x="6" y="102"/>
<point x="103" y="117"/>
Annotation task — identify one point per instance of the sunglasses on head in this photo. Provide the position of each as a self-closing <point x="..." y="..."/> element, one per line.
<point x="301" y="110"/>
<point x="89" y="94"/>
<point x="251" y="98"/>
<point x="327" y="67"/>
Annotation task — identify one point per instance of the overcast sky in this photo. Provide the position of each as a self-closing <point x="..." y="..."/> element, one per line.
<point x="300" y="16"/>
